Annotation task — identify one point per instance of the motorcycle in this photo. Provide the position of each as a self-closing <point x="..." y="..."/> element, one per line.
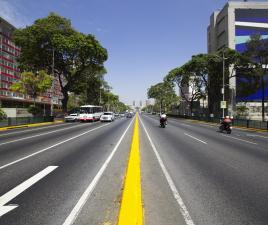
<point x="225" y="127"/>
<point x="162" y="123"/>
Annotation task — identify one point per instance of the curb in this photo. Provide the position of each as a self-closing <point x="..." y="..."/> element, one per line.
<point x="29" y="125"/>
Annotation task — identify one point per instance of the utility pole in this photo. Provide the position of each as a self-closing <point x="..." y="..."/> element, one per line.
<point x="223" y="77"/>
<point x="52" y="89"/>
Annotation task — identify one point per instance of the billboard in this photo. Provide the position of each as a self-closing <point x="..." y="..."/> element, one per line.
<point x="249" y="22"/>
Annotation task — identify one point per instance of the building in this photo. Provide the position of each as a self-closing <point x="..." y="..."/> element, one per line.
<point x="13" y="103"/>
<point x="231" y="27"/>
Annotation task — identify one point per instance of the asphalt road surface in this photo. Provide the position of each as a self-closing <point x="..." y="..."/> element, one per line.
<point x="73" y="173"/>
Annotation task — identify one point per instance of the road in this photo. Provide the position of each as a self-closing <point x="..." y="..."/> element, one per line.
<point x="73" y="173"/>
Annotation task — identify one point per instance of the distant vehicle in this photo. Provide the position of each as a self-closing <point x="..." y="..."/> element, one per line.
<point x="107" y="117"/>
<point x="90" y="113"/>
<point x="116" y="115"/>
<point x="122" y="114"/>
<point x="73" y="117"/>
<point x="129" y="115"/>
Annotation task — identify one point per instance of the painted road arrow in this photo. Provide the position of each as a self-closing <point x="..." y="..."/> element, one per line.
<point x="4" y="199"/>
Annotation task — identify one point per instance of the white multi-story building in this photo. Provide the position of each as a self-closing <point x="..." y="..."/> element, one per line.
<point x="232" y="27"/>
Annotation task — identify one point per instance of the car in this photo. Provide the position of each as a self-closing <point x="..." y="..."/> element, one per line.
<point x="129" y="115"/>
<point x="107" y="117"/>
<point x="122" y="114"/>
<point x="73" y="117"/>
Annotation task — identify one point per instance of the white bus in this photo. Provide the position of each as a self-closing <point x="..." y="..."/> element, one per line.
<point x="90" y="113"/>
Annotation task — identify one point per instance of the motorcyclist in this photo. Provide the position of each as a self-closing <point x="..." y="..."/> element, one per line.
<point x="226" y="121"/>
<point x="163" y="118"/>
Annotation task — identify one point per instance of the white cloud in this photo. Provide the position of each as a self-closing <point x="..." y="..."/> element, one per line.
<point x="11" y="12"/>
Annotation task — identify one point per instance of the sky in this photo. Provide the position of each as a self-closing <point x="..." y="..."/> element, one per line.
<point x="145" y="39"/>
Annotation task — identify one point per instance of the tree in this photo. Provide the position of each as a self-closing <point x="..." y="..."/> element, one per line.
<point x="90" y="87"/>
<point x="242" y="111"/>
<point x="203" y="76"/>
<point x="164" y="95"/>
<point x="33" y="84"/>
<point x="191" y="85"/>
<point x="3" y="115"/>
<point x="52" y="44"/>
<point x="257" y="52"/>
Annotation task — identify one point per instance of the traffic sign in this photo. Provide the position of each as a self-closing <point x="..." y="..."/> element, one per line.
<point x="223" y="104"/>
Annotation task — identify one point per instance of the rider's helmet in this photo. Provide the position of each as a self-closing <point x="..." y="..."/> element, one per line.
<point x="227" y="117"/>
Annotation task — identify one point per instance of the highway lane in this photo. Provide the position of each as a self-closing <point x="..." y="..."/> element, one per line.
<point x="51" y="199"/>
<point x="222" y="180"/>
<point x="31" y="131"/>
<point x="21" y="145"/>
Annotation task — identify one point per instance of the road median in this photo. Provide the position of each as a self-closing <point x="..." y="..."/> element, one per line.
<point x="131" y="212"/>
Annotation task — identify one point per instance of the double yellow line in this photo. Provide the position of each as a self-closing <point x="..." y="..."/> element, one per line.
<point x="131" y="206"/>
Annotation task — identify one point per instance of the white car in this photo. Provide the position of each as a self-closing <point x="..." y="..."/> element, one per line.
<point x="107" y="117"/>
<point x="72" y="117"/>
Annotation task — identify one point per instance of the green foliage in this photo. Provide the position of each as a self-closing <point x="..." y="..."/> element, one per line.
<point x="241" y="110"/>
<point x="33" y="84"/>
<point x="164" y="95"/>
<point x="35" y="110"/>
<point x="257" y="54"/>
<point x="3" y="115"/>
<point x="73" y="102"/>
<point x="74" y="52"/>
<point x="91" y="86"/>
<point x="203" y="74"/>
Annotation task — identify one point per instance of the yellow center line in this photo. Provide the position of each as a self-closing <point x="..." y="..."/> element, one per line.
<point x="131" y="205"/>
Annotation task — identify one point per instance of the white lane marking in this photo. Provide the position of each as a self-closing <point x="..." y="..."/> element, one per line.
<point x="38" y="135"/>
<point x="182" y="206"/>
<point x="4" y="199"/>
<point x="195" y="138"/>
<point x="52" y="146"/>
<point x="85" y="196"/>
<point x="255" y="135"/>
<point x="239" y="139"/>
<point x="27" y="129"/>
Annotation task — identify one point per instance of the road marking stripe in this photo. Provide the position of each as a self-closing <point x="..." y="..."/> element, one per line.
<point x="131" y="205"/>
<point x="23" y="131"/>
<point x="4" y="199"/>
<point x="183" y="209"/>
<point x="255" y="135"/>
<point x="195" y="138"/>
<point x="27" y="125"/>
<point x="85" y="196"/>
<point x="52" y="146"/>
<point x="239" y="139"/>
<point x="38" y="135"/>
